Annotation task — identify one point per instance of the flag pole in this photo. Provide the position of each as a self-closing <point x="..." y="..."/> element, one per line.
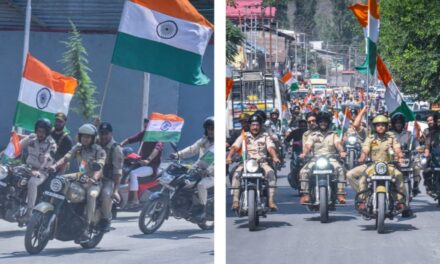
<point x="146" y="97"/>
<point x="105" y="89"/>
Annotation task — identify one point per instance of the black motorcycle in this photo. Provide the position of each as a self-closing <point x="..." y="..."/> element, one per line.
<point x="13" y="193"/>
<point x="408" y="175"/>
<point x="295" y="166"/>
<point x="60" y="215"/>
<point x="323" y="188"/>
<point x="176" y="198"/>
<point x="353" y="149"/>
<point x="433" y="182"/>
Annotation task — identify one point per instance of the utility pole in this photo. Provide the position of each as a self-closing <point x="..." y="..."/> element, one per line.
<point x="306" y="46"/>
<point x="296" y="62"/>
<point x="270" y="37"/>
<point x="276" y="47"/>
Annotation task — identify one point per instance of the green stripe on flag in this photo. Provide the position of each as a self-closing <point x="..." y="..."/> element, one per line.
<point x="294" y="86"/>
<point x="208" y="157"/>
<point x="155" y="57"/>
<point x="371" y="54"/>
<point x="154" y="136"/>
<point x="362" y="69"/>
<point x="26" y="116"/>
<point x="404" y="109"/>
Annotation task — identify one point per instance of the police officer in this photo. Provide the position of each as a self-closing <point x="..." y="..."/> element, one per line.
<point x="203" y="147"/>
<point x="378" y="146"/>
<point x="87" y="153"/>
<point x="325" y="142"/>
<point x="112" y="172"/>
<point x="259" y="146"/>
<point x="39" y="146"/>
<point x="311" y="124"/>
<point x="407" y="143"/>
<point x="61" y="137"/>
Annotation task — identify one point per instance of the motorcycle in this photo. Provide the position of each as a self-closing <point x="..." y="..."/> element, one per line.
<point x="176" y="198"/>
<point x="353" y="149"/>
<point x="295" y="165"/>
<point x="433" y="182"/>
<point x="323" y="188"/>
<point x="381" y="191"/>
<point x="408" y="175"/>
<point x="147" y="185"/>
<point x="13" y="193"/>
<point x="60" y="214"/>
<point x="253" y="193"/>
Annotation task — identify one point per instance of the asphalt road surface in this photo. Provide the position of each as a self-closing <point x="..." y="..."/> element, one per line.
<point x="295" y="235"/>
<point x="177" y="241"/>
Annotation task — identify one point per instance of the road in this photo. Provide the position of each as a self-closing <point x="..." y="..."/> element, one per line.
<point x="177" y="241"/>
<point x="295" y="235"/>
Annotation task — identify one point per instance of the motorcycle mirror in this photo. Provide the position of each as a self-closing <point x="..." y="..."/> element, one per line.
<point x="95" y="166"/>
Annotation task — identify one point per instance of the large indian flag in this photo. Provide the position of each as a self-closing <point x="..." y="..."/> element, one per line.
<point x="43" y="93"/>
<point x="164" y="128"/>
<point x="166" y="37"/>
<point x="393" y="97"/>
<point x="373" y="34"/>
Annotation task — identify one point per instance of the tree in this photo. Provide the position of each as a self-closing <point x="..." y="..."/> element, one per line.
<point x="234" y="38"/>
<point x="75" y="60"/>
<point x="304" y="17"/>
<point x="281" y="11"/>
<point x="409" y="44"/>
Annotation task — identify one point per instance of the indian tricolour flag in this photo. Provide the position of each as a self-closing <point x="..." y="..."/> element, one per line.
<point x="43" y="93"/>
<point x="164" y="128"/>
<point x="290" y="81"/>
<point x="13" y="149"/>
<point x="393" y="97"/>
<point x="373" y="34"/>
<point x="166" y="37"/>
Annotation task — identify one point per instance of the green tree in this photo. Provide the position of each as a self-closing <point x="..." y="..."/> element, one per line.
<point x="234" y="38"/>
<point x="75" y="60"/>
<point x="409" y="44"/>
<point x="304" y="17"/>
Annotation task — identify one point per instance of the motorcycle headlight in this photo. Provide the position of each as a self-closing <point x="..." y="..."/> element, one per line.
<point x="423" y="161"/>
<point x="252" y="166"/>
<point x="352" y="140"/>
<point x="56" y="185"/>
<point x="322" y="163"/>
<point x="381" y="168"/>
<point x="3" y="172"/>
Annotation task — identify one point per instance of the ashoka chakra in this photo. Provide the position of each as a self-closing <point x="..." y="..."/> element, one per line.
<point x="167" y="29"/>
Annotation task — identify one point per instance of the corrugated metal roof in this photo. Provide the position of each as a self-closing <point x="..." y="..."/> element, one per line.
<point x="100" y="16"/>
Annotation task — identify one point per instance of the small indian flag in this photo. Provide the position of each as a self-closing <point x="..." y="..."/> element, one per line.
<point x="164" y="128"/>
<point x="166" y="37"/>
<point x="13" y="149"/>
<point x="43" y="93"/>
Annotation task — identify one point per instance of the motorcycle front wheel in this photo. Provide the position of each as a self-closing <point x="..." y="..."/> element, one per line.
<point x="351" y="159"/>
<point x="381" y="208"/>
<point x="153" y="215"/>
<point x="252" y="210"/>
<point x="323" y="204"/>
<point x="34" y="240"/>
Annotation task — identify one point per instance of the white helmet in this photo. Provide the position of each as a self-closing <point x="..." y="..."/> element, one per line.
<point x="88" y="129"/>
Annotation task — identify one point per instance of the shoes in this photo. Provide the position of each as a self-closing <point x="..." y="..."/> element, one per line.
<point x="415" y="191"/>
<point x="84" y="238"/>
<point x="341" y="198"/>
<point x="272" y="205"/>
<point x="362" y="206"/>
<point x="235" y="205"/>
<point x="105" y="225"/>
<point x="305" y="198"/>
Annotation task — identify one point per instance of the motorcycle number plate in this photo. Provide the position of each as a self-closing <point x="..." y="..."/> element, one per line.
<point x="252" y="175"/>
<point x="322" y="171"/>
<point x="3" y="184"/>
<point x="382" y="178"/>
<point x="55" y="195"/>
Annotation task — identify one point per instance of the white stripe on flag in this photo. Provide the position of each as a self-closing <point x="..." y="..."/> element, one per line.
<point x="164" y="126"/>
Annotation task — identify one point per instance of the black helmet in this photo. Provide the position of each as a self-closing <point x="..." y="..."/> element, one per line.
<point x="209" y="122"/>
<point x="256" y="118"/>
<point x="45" y="124"/>
<point x="324" y="116"/>
<point x="275" y="111"/>
<point x="296" y="107"/>
<point x="398" y="116"/>
<point x="261" y="114"/>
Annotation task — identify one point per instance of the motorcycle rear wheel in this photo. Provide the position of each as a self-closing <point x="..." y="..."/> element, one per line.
<point x="323" y="204"/>
<point x="381" y="208"/>
<point x="155" y="211"/>
<point x="33" y="241"/>
<point x="94" y="241"/>
<point x="351" y="159"/>
<point x="252" y="210"/>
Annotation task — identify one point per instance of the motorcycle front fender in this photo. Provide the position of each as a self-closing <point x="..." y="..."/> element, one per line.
<point x="155" y="196"/>
<point x="322" y="183"/>
<point x="44" y="207"/>
<point x="381" y="189"/>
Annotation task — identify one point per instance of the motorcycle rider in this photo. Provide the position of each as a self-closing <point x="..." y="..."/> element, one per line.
<point x="378" y="147"/>
<point x="407" y="142"/>
<point x="312" y="126"/>
<point x="61" y="137"/>
<point x="87" y="153"/>
<point x="150" y="153"/>
<point x="324" y="141"/>
<point x="40" y="147"/>
<point x="244" y="118"/>
<point x="259" y="145"/>
<point x="201" y="147"/>
<point x="273" y="123"/>
<point x="112" y="172"/>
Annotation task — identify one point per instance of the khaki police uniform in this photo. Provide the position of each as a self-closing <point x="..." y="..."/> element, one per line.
<point x="406" y="141"/>
<point x="39" y="159"/>
<point x="378" y="148"/>
<point x="87" y="156"/>
<point x="256" y="148"/>
<point x="112" y="170"/>
<point x="201" y="147"/>
<point x="323" y="144"/>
